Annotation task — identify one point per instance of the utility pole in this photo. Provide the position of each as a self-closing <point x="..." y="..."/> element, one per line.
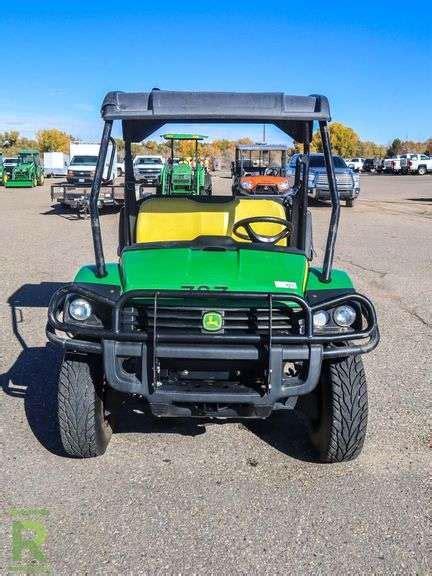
<point x="264" y="134"/>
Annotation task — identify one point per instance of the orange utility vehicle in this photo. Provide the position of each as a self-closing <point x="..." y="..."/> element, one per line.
<point x="260" y="169"/>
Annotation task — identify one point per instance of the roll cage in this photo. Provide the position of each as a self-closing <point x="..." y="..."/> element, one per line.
<point x="173" y="138"/>
<point x="143" y="113"/>
<point x="246" y="155"/>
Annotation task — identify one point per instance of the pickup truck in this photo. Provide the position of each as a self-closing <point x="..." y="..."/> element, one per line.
<point x="8" y="166"/>
<point x="416" y="164"/>
<point x="147" y="169"/>
<point x="393" y="165"/>
<point x="355" y="164"/>
<point x="347" y="181"/>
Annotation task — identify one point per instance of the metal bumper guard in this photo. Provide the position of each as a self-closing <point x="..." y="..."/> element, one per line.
<point x="116" y="346"/>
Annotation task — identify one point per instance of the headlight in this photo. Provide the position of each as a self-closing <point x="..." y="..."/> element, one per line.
<point x="344" y="315"/>
<point x="311" y="179"/>
<point x="320" y="318"/>
<point x="283" y="186"/>
<point x="246" y="185"/>
<point x="80" y="309"/>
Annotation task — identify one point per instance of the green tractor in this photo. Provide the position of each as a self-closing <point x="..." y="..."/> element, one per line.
<point x="214" y="309"/>
<point x="28" y="172"/>
<point x="184" y="176"/>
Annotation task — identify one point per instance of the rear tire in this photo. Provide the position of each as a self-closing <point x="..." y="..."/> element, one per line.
<point x="84" y="429"/>
<point x="337" y="410"/>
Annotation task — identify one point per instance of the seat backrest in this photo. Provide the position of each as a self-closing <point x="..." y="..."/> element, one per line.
<point x="183" y="219"/>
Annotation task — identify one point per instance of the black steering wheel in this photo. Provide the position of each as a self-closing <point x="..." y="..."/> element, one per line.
<point x="253" y="236"/>
<point x="270" y="171"/>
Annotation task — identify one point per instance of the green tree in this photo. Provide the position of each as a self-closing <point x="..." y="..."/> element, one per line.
<point x="53" y="140"/>
<point x="395" y="148"/>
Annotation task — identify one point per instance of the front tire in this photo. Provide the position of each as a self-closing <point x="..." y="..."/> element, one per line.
<point x="421" y="171"/>
<point x="84" y="429"/>
<point x="350" y="202"/>
<point x="337" y="410"/>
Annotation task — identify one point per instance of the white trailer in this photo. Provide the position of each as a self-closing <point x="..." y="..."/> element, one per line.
<point x="83" y="161"/>
<point x="55" y="164"/>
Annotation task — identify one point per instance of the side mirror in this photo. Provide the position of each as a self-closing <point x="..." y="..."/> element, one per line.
<point x="301" y="171"/>
<point x="111" y="162"/>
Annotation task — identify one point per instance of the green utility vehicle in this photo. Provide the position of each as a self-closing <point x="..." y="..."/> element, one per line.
<point x="2" y="172"/>
<point x="214" y="309"/>
<point x="28" y="172"/>
<point x="185" y="176"/>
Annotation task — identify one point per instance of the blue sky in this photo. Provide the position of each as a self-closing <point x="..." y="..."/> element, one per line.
<point x="372" y="59"/>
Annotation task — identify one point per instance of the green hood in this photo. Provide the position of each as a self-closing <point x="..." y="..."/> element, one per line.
<point x="236" y="270"/>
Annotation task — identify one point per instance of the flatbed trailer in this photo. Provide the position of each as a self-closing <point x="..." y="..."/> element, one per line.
<point x="78" y="197"/>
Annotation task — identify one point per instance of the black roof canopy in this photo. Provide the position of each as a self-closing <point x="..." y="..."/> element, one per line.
<point x="144" y="112"/>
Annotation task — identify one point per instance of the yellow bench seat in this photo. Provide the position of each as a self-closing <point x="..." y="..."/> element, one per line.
<point x="184" y="219"/>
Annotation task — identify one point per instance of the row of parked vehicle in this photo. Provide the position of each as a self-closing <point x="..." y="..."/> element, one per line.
<point x="262" y="169"/>
<point x="416" y="163"/>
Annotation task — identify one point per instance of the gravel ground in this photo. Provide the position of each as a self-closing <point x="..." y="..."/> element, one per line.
<point x="174" y="497"/>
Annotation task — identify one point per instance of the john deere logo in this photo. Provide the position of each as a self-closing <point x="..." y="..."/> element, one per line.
<point x="212" y="321"/>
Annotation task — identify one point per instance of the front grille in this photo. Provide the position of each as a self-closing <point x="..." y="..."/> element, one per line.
<point x="188" y="320"/>
<point x="266" y="190"/>
<point x="343" y="181"/>
<point x="149" y="172"/>
<point x="81" y="174"/>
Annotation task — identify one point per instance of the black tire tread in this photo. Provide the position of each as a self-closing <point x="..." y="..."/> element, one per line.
<point x="78" y="399"/>
<point x="349" y="410"/>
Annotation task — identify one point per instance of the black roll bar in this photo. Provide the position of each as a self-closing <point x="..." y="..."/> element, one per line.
<point x="335" y="204"/>
<point x="93" y="203"/>
<point x="131" y="202"/>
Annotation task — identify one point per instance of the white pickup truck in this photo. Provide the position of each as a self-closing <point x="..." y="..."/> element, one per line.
<point x="82" y="166"/>
<point x="393" y="165"/>
<point x="147" y="168"/>
<point x="416" y="164"/>
<point x="355" y="164"/>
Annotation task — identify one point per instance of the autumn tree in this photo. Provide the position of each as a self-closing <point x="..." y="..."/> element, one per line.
<point x="53" y="140"/>
<point x="368" y="149"/>
<point x="10" y="139"/>
<point x="343" y="139"/>
<point x="120" y="146"/>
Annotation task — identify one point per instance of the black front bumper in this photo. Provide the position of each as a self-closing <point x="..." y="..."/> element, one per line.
<point x="208" y="399"/>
